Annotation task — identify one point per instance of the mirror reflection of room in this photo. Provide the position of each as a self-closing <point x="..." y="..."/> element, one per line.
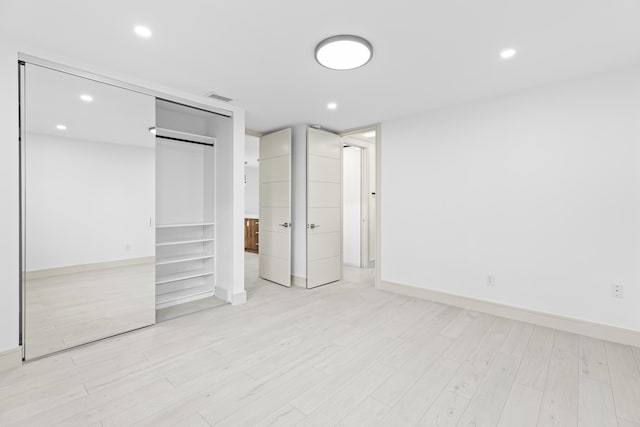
<point x="88" y="207"/>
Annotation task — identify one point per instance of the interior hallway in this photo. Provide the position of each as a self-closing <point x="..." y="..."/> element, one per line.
<point x="343" y="354"/>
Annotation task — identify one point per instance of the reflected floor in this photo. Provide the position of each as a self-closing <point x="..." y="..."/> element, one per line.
<point x="71" y="306"/>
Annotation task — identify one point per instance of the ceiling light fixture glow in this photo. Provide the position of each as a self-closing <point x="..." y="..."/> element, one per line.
<point x="344" y="52"/>
<point x="86" y="98"/>
<point x="508" y="53"/>
<point x="61" y="127"/>
<point x="142" y="31"/>
<point x="332" y="106"/>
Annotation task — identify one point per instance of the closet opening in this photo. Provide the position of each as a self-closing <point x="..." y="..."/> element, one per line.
<point x="185" y="208"/>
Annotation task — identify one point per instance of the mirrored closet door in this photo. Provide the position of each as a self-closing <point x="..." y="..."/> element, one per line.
<point x="88" y="210"/>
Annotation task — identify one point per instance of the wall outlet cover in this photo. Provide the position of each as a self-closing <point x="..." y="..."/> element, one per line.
<point x="617" y="291"/>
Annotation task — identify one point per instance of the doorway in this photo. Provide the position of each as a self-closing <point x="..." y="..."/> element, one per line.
<point x="359" y="197"/>
<point x="308" y="181"/>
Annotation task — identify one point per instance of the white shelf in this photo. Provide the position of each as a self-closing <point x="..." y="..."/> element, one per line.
<point x="194" y="224"/>
<point x="184" y="242"/>
<point x="164" y="302"/>
<point x="182" y="276"/>
<point x="182" y="258"/>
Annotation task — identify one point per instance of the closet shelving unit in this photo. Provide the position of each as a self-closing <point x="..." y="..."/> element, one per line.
<point x="184" y="262"/>
<point x="185" y="244"/>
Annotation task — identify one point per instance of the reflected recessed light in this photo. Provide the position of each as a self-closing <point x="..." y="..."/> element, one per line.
<point x="61" y="127"/>
<point x="344" y="52"/>
<point x="142" y="31"/>
<point x="86" y="98"/>
<point x="508" y="53"/>
<point x="332" y="106"/>
<point x="369" y="134"/>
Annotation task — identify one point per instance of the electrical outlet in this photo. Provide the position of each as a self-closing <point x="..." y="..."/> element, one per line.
<point x="617" y="291"/>
<point x="491" y="281"/>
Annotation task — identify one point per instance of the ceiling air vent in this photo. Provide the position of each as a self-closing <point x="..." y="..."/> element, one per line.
<point x="219" y="97"/>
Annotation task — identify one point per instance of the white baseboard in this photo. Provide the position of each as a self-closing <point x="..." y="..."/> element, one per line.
<point x="567" y="324"/>
<point x="234" y="299"/>
<point x="223" y="294"/>
<point x="239" y="298"/>
<point x="298" y="281"/>
<point x="10" y="359"/>
<point x="82" y="268"/>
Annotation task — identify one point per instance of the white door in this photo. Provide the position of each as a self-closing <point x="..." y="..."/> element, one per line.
<point x="324" y="208"/>
<point x="275" y="207"/>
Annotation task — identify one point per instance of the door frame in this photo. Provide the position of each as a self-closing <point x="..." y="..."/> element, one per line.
<point x="377" y="127"/>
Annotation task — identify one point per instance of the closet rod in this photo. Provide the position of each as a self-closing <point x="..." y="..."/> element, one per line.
<point x="185" y="140"/>
<point x="175" y="135"/>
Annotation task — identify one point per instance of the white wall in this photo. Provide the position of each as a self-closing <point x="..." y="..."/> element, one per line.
<point x="252" y="176"/>
<point x="351" y="205"/>
<point x="75" y="217"/>
<point x="180" y="183"/>
<point x="9" y="226"/>
<point x="540" y="189"/>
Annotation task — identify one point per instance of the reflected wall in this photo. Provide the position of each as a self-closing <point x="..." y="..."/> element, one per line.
<point x="88" y="201"/>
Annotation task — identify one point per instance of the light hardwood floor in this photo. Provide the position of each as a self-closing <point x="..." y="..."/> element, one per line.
<point x="344" y="354"/>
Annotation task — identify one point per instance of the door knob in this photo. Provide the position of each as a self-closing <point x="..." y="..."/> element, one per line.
<point x="285" y="224"/>
<point x="312" y="226"/>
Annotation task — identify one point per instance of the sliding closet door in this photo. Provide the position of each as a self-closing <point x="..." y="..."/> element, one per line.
<point x="88" y="189"/>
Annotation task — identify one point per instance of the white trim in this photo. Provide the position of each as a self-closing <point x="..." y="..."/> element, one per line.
<point x="222" y="293"/>
<point x="239" y="298"/>
<point x="367" y="145"/>
<point x="298" y="281"/>
<point x="10" y="359"/>
<point x="168" y="94"/>
<point x="378" y="259"/>
<point x="72" y="269"/>
<point x="563" y="323"/>
<point x="235" y="299"/>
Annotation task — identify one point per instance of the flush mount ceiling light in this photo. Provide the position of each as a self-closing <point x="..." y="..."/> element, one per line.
<point x="332" y="106"/>
<point x="345" y="52"/>
<point x="86" y="98"/>
<point x="508" y="53"/>
<point x="142" y="31"/>
<point x="61" y="127"/>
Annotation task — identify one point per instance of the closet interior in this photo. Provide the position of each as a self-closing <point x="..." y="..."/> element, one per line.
<point x="185" y="204"/>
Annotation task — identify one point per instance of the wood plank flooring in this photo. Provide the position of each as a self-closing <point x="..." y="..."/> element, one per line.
<point x="344" y="354"/>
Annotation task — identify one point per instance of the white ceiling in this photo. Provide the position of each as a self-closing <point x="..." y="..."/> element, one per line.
<point x="114" y="116"/>
<point x="427" y="54"/>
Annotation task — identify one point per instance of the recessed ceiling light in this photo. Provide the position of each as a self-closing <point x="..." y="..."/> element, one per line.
<point x="61" y="127"/>
<point x="369" y="134"/>
<point x="508" y="53"/>
<point x="344" y="52"/>
<point x="142" y="31"/>
<point x="332" y="106"/>
<point x="153" y="130"/>
<point x="86" y="98"/>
